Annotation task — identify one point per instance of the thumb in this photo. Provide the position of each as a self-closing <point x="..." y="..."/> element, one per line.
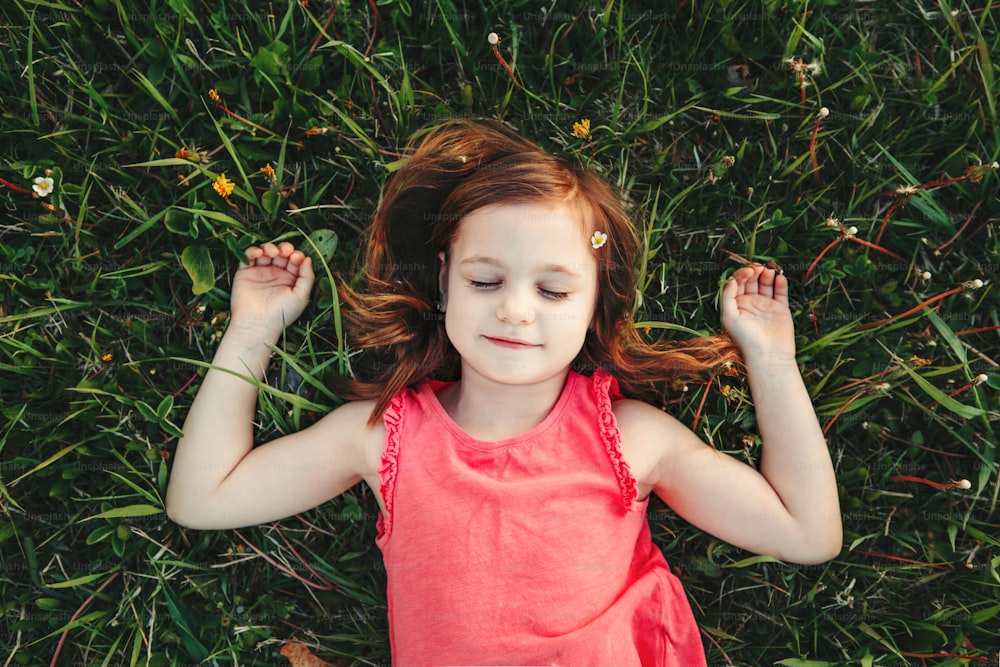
<point x="304" y="281"/>
<point x="727" y="302"/>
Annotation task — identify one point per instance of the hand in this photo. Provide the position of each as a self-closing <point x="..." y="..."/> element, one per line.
<point x="755" y="313"/>
<point x="272" y="289"/>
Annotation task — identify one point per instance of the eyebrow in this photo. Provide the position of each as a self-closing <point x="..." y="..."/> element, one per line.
<point x="547" y="268"/>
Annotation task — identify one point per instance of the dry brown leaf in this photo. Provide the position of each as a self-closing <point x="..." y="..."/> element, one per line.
<point x="299" y="655"/>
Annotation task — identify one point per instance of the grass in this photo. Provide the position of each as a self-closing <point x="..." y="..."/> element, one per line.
<point x="114" y="291"/>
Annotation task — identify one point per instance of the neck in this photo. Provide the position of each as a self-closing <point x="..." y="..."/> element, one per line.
<point x="492" y="411"/>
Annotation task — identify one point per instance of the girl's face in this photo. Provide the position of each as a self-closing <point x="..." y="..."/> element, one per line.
<point x="519" y="288"/>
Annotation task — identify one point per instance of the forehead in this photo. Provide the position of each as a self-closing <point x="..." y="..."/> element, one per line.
<point x="538" y="229"/>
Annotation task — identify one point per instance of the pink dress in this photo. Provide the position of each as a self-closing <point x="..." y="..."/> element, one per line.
<point x="527" y="551"/>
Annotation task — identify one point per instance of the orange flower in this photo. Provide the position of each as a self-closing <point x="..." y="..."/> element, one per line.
<point x="213" y="95"/>
<point x="581" y="130"/>
<point x="268" y="171"/>
<point x="185" y="153"/>
<point x="223" y="186"/>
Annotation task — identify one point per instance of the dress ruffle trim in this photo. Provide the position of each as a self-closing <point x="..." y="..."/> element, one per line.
<point x="605" y="390"/>
<point x="393" y="420"/>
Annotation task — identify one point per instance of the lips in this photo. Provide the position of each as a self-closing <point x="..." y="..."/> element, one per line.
<point x="511" y="343"/>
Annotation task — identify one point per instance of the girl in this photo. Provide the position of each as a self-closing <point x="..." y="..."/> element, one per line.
<point x="501" y="430"/>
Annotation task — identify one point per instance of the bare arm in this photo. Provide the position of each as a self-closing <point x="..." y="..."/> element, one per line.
<point x="790" y="509"/>
<point x="218" y="479"/>
<point x="795" y="459"/>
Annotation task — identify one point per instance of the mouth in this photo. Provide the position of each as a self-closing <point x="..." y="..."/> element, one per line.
<point x="510" y="343"/>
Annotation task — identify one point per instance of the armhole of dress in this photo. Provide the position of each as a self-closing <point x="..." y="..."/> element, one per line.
<point x="605" y="390"/>
<point x="393" y="420"/>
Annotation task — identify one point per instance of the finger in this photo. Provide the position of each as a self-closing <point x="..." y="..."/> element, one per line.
<point x="252" y="253"/>
<point x="268" y="252"/>
<point x="286" y="249"/>
<point x="739" y="279"/>
<point x="766" y="283"/>
<point x="751" y="285"/>
<point x="781" y="289"/>
<point x="744" y="273"/>
<point x="295" y="261"/>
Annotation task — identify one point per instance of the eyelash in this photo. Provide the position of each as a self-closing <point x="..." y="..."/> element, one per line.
<point x="549" y="294"/>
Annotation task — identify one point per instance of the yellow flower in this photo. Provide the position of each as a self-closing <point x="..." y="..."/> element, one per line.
<point x="726" y="390"/>
<point x="268" y="170"/>
<point x="598" y="240"/>
<point x="213" y="95"/>
<point x="581" y="130"/>
<point x="223" y="186"/>
<point x="107" y="356"/>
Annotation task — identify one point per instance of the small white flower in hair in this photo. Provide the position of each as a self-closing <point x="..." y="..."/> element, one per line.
<point x="598" y="240"/>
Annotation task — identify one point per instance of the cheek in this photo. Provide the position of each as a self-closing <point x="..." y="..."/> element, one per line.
<point x="571" y="324"/>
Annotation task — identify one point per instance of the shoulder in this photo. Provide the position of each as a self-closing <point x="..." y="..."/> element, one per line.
<point x="650" y="440"/>
<point x="641" y="421"/>
<point x="349" y="423"/>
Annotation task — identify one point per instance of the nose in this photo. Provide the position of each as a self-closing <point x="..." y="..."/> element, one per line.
<point x="515" y="307"/>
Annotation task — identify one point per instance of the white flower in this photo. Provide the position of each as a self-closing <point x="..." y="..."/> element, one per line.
<point x="824" y="112"/>
<point x="598" y="240"/>
<point x="493" y="39"/>
<point x="43" y="186"/>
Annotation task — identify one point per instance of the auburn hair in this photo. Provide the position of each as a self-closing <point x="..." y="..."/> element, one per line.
<point x="453" y="169"/>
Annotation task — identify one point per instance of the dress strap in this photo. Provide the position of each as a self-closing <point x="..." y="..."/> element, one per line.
<point x="605" y="388"/>
<point x="393" y="420"/>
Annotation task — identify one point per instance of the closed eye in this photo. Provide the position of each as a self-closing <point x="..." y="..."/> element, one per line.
<point x="548" y="294"/>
